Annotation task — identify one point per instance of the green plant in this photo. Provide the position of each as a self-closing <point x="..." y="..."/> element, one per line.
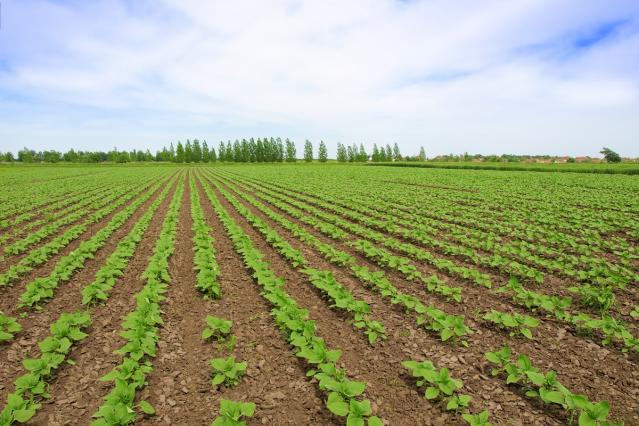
<point x="233" y="412"/>
<point x="480" y="419"/>
<point x="547" y="387"/>
<point x="216" y="328"/>
<point x="31" y="387"/>
<point x="520" y="323"/>
<point x="9" y="327"/>
<point x="600" y="297"/>
<point x="227" y="371"/>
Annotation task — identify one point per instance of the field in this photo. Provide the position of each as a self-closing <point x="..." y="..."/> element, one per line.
<point x="317" y="295"/>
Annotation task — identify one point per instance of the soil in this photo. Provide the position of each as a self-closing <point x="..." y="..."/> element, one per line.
<point x="180" y="388"/>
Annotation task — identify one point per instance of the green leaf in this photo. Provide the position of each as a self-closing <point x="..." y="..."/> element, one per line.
<point x="146" y="408"/>
<point x="24" y="415"/>
<point x="586" y="420"/>
<point x="337" y="405"/>
<point x="431" y="393"/>
<point x="375" y="421"/>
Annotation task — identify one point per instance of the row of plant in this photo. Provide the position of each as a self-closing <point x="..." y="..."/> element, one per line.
<point x="105" y="279"/>
<point x="584" y="266"/>
<point x="448" y="327"/>
<point x="26" y="201"/>
<point x="204" y="250"/>
<point x="439" y="386"/>
<point x="140" y="329"/>
<point x="343" y="394"/>
<point x="324" y="281"/>
<point x="488" y="201"/>
<point x="65" y="206"/>
<point x="338" y="228"/>
<point x="31" y="387"/>
<point x="547" y="388"/>
<point x="9" y="327"/>
<point x="402" y="265"/>
<point x="597" y="269"/>
<point x="40" y="255"/>
<point x="52" y="227"/>
<point x="612" y="329"/>
<point x="521" y="221"/>
<point x="416" y="233"/>
<point x="42" y="289"/>
<point x="335" y="227"/>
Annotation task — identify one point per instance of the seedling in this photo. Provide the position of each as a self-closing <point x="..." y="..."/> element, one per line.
<point x="9" y="327"/>
<point x="521" y="324"/>
<point x="232" y="413"/>
<point x="600" y="297"/>
<point x="480" y="419"/>
<point x="227" y="371"/>
<point x="216" y="328"/>
<point x="438" y="385"/>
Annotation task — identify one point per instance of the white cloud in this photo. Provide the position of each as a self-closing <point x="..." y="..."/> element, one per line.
<point x="474" y="76"/>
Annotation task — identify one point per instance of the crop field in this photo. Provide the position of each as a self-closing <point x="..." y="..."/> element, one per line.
<point x="317" y="295"/>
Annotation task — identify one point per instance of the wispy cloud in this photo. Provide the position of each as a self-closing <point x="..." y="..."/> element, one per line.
<point x="526" y="76"/>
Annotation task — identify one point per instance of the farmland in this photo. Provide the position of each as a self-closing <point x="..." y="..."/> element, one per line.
<point x="317" y="294"/>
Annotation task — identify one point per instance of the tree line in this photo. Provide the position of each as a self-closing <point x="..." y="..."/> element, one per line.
<point x="244" y="151"/>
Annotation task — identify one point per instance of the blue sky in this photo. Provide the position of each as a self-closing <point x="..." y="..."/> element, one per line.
<point x="525" y="76"/>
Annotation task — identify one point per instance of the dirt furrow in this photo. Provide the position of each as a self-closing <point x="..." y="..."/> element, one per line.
<point x="553" y="347"/>
<point x="68" y="298"/>
<point x="76" y="391"/>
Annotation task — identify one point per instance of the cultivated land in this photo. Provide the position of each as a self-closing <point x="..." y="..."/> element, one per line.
<point x="317" y="294"/>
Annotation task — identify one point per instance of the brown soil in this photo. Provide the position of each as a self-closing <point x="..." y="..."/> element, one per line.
<point x="553" y="347"/>
<point x="8" y="260"/>
<point x="11" y="294"/>
<point x="180" y="387"/>
<point x="68" y="298"/>
<point x="77" y="392"/>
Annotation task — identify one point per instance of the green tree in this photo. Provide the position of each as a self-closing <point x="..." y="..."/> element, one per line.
<point x="246" y="151"/>
<point x="422" y="154"/>
<point x="237" y="151"/>
<point x="8" y="157"/>
<point x="375" y="156"/>
<point x="197" y="152"/>
<point x="256" y="150"/>
<point x="397" y="156"/>
<point x="213" y="155"/>
<point x="322" y="153"/>
<point x="308" y="151"/>
<point x="179" y="155"/>
<point x="171" y="152"/>
<point x="26" y="155"/>
<point x="280" y="150"/>
<point x="342" y="155"/>
<point x="71" y="156"/>
<point x="188" y="152"/>
<point x="291" y="151"/>
<point x="221" y="152"/>
<point x="206" y="154"/>
<point x="362" y="155"/>
<point x="388" y="153"/>
<point x="610" y="156"/>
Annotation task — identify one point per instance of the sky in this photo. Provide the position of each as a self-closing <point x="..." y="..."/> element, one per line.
<point x="557" y="77"/>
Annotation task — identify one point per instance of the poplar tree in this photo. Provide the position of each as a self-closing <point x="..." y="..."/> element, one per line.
<point x="308" y="151"/>
<point x="179" y="156"/>
<point x="323" y="153"/>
